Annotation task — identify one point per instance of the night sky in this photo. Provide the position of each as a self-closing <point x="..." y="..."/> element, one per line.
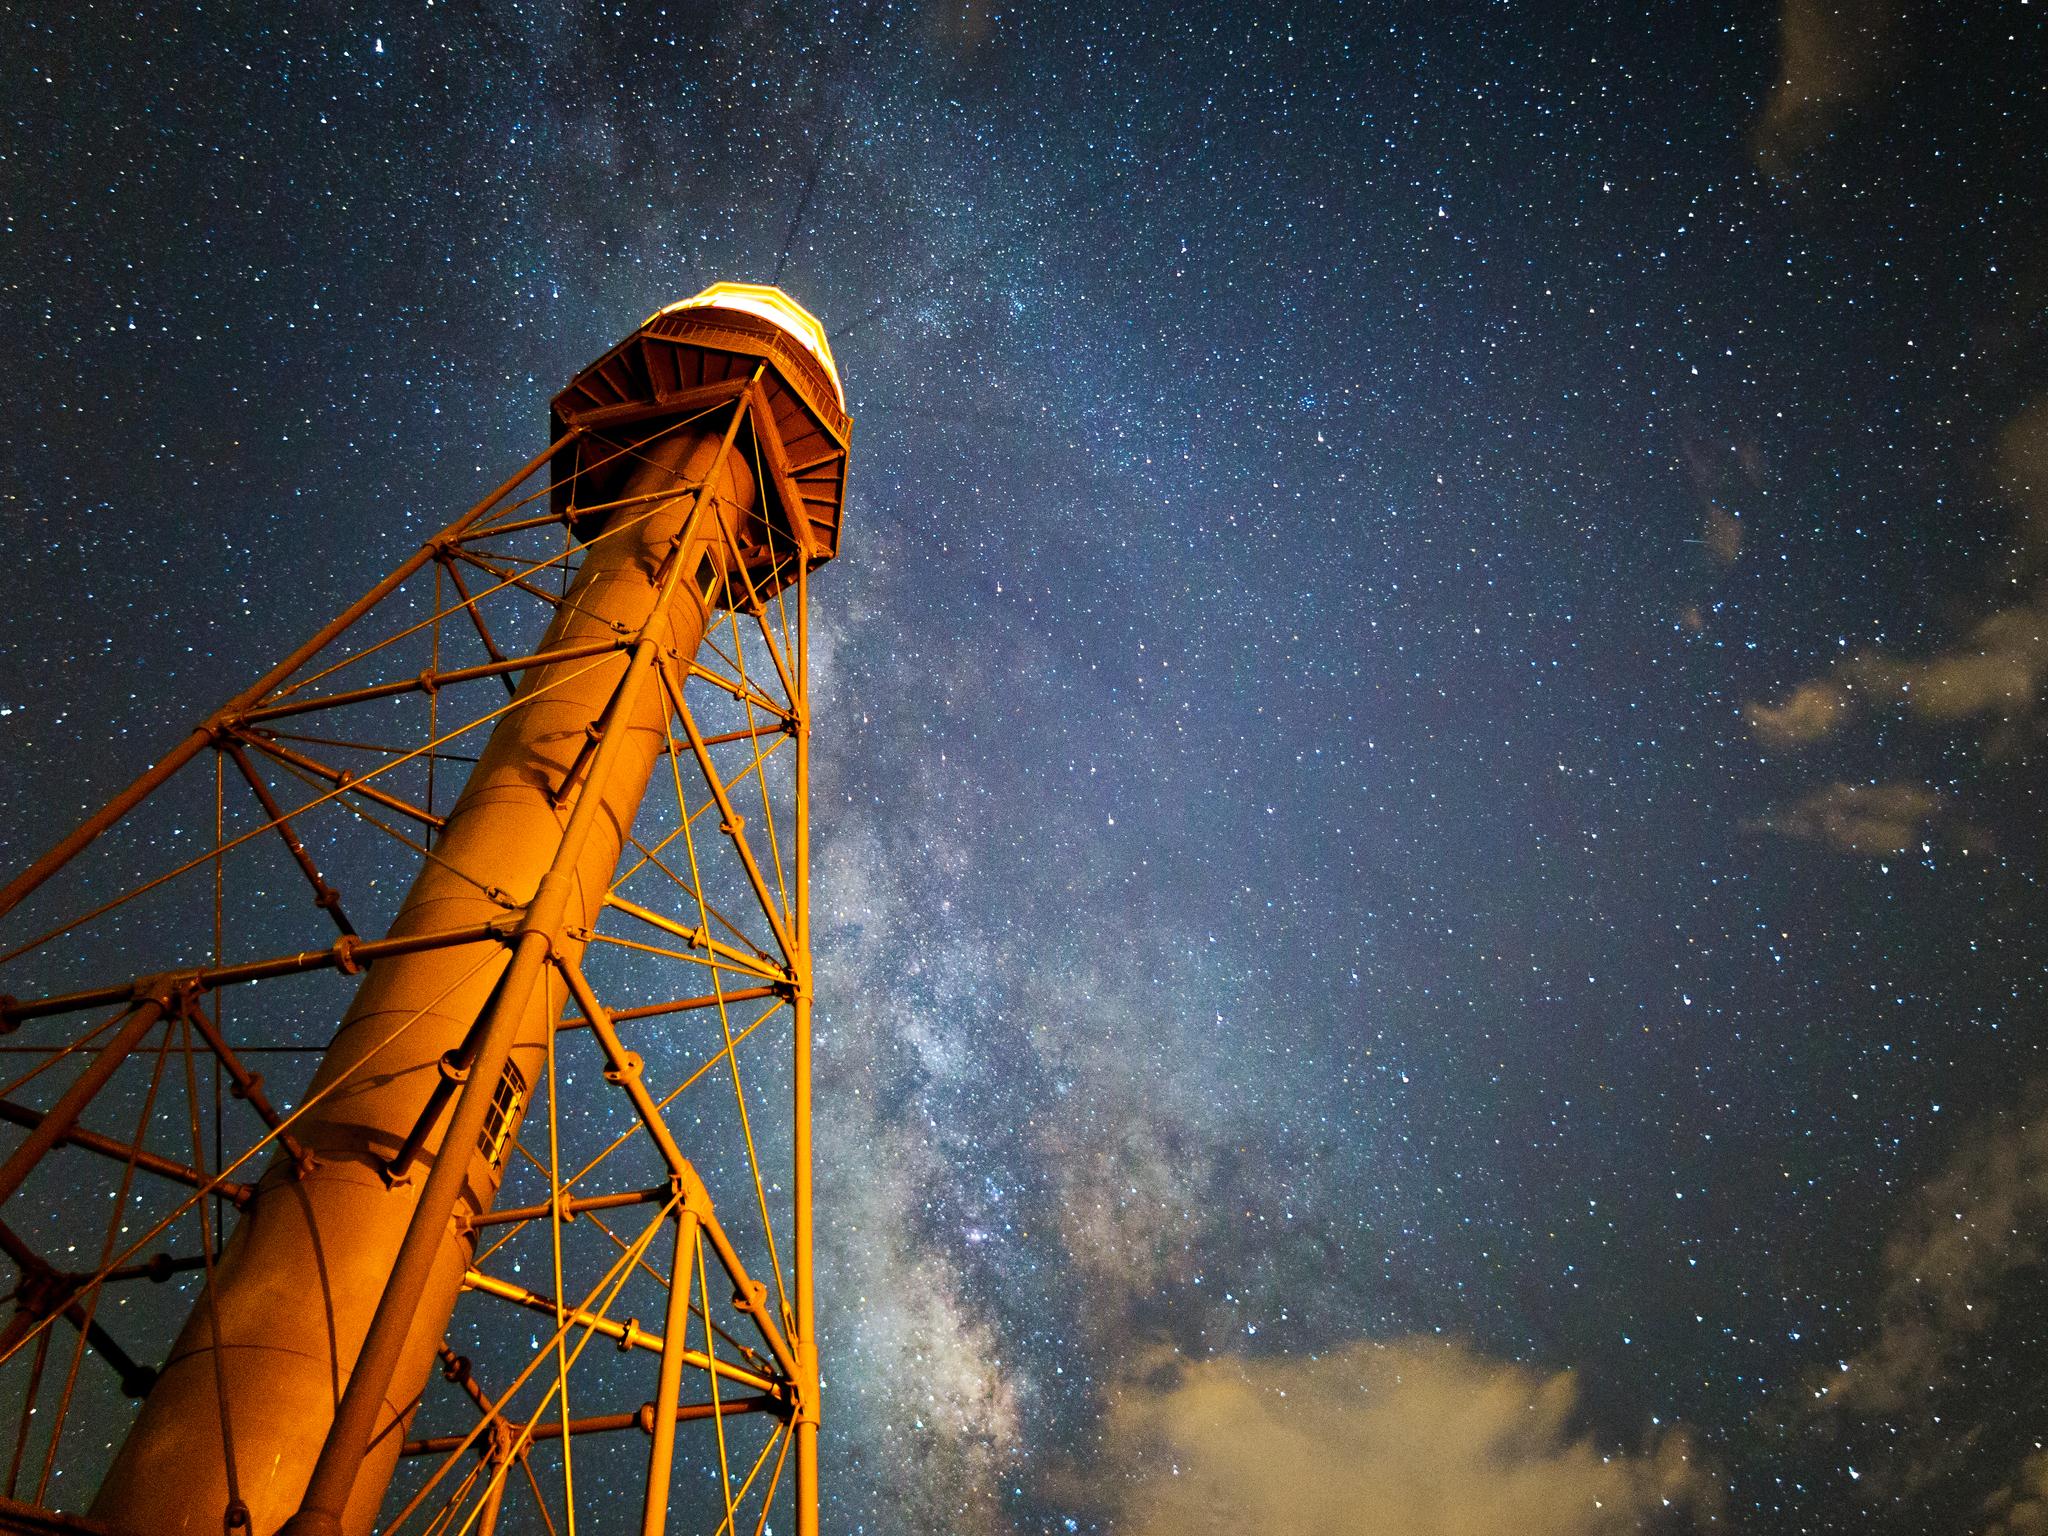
<point x="1430" y="723"/>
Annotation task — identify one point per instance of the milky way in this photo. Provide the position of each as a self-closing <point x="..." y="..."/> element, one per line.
<point x="1429" y="721"/>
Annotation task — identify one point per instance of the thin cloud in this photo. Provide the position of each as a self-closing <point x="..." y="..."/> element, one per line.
<point x="1132" y="1136"/>
<point x="1721" y="533"/>
<point x="2022" y="1509"/>
<point x="1812" y="712"/>
<point x="1726" y="477"/>
<point x="1965" y="1234"/>
<point x="1830" y="57"/>
<point x="1915" y="1401"/>
<point x="2021" y="470"/>
<point x="1998" y="669"/>
<point x="1411" y="1438"/>
<point x="1869" y="819"/>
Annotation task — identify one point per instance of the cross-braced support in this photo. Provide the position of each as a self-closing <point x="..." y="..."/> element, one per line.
<point x="591" y="1007"/>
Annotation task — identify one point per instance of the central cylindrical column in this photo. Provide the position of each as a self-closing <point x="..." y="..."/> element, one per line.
<point x="300" y="1279"/>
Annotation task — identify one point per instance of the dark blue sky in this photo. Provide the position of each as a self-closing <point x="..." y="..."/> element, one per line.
<point x="1430" y="720"/>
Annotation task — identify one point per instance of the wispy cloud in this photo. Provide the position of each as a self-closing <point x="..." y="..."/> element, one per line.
<point x="1131" y="1132"/>
<point x="2021" y="469"/>
<point x="1998" y="671"/>
<point x="1830" y="57"/>
<point x="1811" y="712"/>
<point x="1411" y="1438"/>
<point x="1870" y="819"/>
<point x="1978" y="1222"/>
<point x="1726" y="477"/>
<point x="2022" y="1508"/>
<point x="1999" y="667"/>
<point x="1949" y="1272"/>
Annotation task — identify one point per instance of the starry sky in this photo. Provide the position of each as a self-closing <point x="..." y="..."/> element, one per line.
<point x="1429" y="724"/>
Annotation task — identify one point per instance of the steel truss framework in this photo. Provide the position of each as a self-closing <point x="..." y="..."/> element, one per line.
<point x="166" y="1006"/>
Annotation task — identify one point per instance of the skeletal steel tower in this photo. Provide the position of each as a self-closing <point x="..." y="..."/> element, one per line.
<point x="550" y="1112"/>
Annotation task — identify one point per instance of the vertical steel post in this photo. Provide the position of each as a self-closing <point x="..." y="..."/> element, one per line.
<point x="808" y="1406"/>
<point x="500" y="1465"/>
<point x="668" y="1389"/>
